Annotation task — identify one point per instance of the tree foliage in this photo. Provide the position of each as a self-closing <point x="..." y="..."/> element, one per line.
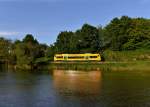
<point x="5" y="46"/>
<point x="85" y="40"/>
<point x="28" y="50"/>
<point x="127" y="33"/>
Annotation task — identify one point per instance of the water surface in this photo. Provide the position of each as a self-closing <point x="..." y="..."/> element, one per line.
<point x="75" y="89"/>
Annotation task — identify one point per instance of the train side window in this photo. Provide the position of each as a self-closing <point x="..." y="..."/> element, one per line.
<point x="75" y="57"/>
<point x="93" y="56"/>
<point x="59" y="56"/>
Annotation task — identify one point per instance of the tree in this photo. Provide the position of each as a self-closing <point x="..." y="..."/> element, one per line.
<point x="127" y="33"/>
<point x="30" y="39"/>
<point x="116" y="33"/>
<point x="29" y="51"/>
<point x="88" y="39"/>
<point x="5" y="49"/>
<point x="50" y="52"/>
<point x="139" y="34"/>
<point x="65" y="42"/>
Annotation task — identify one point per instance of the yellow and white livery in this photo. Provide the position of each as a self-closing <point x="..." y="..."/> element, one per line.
<point x="77" y="57"/>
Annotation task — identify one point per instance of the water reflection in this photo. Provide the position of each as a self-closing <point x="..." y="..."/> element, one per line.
<point x="78" y="86"/>
<point x="3" y="67"/>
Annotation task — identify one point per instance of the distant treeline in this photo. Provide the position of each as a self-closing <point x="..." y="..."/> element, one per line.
<point x="121" y="34"/>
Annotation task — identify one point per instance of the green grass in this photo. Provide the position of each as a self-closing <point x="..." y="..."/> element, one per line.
<point x="127" y="56"/>
<point x="138" y="60"/>
<point x="109" y="66"/>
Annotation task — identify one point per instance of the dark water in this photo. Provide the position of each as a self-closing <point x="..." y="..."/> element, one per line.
<point x="75" y="89"/>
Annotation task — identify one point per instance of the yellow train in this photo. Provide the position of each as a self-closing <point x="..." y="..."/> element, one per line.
<point x="77" y="57"/>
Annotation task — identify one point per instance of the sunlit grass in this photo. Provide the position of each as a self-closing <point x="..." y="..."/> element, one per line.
<point x="109" y="66"/>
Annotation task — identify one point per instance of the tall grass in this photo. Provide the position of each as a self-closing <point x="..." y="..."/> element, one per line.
<point x="127" y="56"/>
<point x="110" y="66"/>
<point x="114" y="61"/>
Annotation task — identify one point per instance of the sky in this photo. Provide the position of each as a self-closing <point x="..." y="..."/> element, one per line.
<point x="45" y="19"/>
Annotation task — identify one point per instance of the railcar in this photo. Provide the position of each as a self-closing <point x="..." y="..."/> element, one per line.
<point x="77" y="57"/>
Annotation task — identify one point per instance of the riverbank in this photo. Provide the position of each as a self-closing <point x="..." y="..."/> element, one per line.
<point x="126" y="56"/>
<point x="138" y="60"/>
<point x="89" y="66"/>
<point x="103" y="66"/>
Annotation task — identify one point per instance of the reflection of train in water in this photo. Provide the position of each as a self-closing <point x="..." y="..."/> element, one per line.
<point x="77" y="57"/>
<point x="78" y="83"/>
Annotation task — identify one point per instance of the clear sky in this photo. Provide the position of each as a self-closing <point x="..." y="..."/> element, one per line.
<point x="46" y="18"/>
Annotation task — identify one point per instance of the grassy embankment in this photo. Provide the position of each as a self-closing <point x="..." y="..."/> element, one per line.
<point x="138" y="60"/>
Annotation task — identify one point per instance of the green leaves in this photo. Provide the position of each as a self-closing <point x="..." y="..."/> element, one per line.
<point x="30" y="39"/>
<point x="85" y="40"/>
<point x="126" y="33"/>
<point x="29" y="50"/>
<point x="5" y="46"/>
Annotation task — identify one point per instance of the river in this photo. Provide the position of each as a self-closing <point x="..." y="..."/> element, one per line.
<point x="70" y="88"/>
